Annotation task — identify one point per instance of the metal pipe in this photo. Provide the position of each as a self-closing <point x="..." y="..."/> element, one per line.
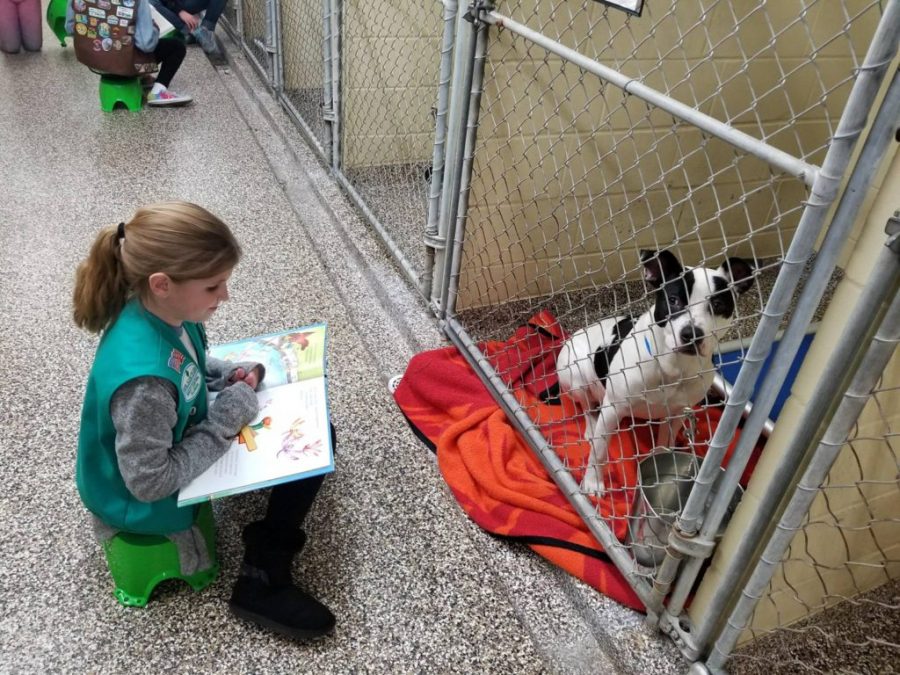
<point x="723" y="388"/>
<point x="879" y="139"/>
<point x="459" y="234"/>
<point x="883" y="286"/>
<point x="432" y="240"/>
<point x="266" y="45"/>
<point x="326" y="61"/>
<point x="277" y="47"/>
<point x="336" y="126"/>
<point x="460" y="86"/>
<point x="778" y="158"/>
<point x="827" y="183"/>
<point x="560" y="474"/>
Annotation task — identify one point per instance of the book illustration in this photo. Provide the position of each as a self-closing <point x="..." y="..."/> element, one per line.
<point x="247" y="436"/>
<point x="297" y="452"/>
<point x="290" y="438"/>
<point x="292" y="445"/>
<point x="287" y="357"/>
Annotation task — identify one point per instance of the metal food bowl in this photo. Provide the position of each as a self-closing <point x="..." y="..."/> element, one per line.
<point x="665" y="480"/>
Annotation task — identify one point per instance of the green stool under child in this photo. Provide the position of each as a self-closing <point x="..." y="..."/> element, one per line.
<point x="124" y="90"/>
<point x="138" y="562"/>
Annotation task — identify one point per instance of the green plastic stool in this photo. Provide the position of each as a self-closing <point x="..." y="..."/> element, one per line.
<point x="124" y="90"/>
<point x="138" y="562"/>
<point x="56" y="19"/>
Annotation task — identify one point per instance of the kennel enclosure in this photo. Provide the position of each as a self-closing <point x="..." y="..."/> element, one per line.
<point x="517" y="157"/>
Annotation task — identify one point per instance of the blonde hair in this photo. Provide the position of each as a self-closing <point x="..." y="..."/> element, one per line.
<point x="179" y="239"/>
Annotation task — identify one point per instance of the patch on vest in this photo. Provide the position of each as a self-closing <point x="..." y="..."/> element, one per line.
<point x="191" y="382"/>
<point x="176" y="359"/>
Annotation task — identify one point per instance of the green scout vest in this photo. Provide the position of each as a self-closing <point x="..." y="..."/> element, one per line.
<point x="137" y="344"/>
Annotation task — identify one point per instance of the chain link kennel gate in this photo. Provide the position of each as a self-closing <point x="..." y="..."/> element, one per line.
<point x="708" y="152"/>
<point x="823" y="593"/>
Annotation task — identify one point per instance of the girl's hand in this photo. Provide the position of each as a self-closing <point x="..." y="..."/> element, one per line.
<point x="241" y="375"/>
<point x="189" y="19"/>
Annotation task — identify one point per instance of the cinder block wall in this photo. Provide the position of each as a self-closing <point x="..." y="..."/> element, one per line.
<point x="558" y="202"/>
<point x="390" y="64"/>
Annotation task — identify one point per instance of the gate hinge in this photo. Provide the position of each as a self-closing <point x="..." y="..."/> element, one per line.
<point x="477" y="10"/>
<point x="691" y="546"/>
<point x="892" y="228"/>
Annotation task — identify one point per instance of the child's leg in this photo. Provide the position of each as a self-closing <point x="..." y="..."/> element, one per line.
<point x="169" y="53"/>
<point x="264" y="592"/>
<point x="30" y="24"/>
<point x="214" y="10"/>
<point x="289" y="503"/>
<point x="10" y="33"/>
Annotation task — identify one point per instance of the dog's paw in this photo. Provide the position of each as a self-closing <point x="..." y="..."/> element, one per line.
<point x="592" y="483"/>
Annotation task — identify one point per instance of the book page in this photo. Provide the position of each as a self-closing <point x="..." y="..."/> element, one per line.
<point x="290" y="436"/>
<point x="165" y="26"/>
<point x="289" y="356"/>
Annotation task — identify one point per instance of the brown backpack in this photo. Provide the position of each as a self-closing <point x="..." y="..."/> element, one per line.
<point x="104" y="37"/>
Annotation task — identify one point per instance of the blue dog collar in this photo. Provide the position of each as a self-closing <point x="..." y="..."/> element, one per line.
<point x="647" y="344"/>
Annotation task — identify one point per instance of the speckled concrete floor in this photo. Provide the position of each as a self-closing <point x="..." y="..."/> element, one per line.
<point x="415" y="586"/>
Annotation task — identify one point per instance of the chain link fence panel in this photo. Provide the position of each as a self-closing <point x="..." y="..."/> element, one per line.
<point x="390" y="59"/>
<point x="306" y="45"/>
<point x="257" y="35"/>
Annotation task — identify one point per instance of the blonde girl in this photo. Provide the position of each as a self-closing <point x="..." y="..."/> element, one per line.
<point x="147" y="426"/>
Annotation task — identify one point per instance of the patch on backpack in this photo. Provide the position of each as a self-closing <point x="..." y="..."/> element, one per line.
<point x="191" y="381"/>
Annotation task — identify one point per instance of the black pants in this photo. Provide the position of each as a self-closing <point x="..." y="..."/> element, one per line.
<point x="169" y="54"/>
<point x="290" y="502"/>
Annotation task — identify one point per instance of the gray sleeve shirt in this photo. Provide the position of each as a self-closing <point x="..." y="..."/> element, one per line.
<point x="144" y="412"/>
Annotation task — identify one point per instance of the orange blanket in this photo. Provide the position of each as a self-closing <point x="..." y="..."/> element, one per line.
<point x="494" y="474"/>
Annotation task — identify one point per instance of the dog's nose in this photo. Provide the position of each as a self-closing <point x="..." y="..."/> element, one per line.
<point x="691" y="334"/>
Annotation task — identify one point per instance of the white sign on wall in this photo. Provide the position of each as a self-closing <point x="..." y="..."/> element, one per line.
<point x="631" y="6"/>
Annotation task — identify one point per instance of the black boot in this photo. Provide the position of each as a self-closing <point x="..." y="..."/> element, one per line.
<point x="265" y="593"/>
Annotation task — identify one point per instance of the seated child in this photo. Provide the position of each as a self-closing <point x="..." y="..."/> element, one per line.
<point x="147" y="426"/>
<point x="167" y="52"/>
<point x="20" y="26"/>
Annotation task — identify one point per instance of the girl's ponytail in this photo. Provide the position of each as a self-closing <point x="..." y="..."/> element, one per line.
<point x="101" y="288"/>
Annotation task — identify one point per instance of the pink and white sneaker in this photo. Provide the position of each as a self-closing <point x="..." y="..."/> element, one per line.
<point x="168" y="98"/>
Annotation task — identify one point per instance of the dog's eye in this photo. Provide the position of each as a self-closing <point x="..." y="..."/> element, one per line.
<point x="674" y="301"/>
<point x="719" y="305"/>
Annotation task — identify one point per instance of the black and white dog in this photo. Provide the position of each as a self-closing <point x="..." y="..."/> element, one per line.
<point x="657" y="365"/>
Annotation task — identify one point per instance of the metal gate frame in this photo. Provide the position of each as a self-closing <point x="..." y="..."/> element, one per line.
<point x="693" y="536"/>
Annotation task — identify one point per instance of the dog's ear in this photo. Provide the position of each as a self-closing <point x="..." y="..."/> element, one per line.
<point x="660" y="267"/>
<point x="740" y="272"/>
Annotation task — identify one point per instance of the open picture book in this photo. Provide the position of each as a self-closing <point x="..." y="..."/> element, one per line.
<point x="166" y="29"/>
<point x="290" y="438"/>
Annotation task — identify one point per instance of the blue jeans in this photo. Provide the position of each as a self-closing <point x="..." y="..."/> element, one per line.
<point x="213" y="8"/>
